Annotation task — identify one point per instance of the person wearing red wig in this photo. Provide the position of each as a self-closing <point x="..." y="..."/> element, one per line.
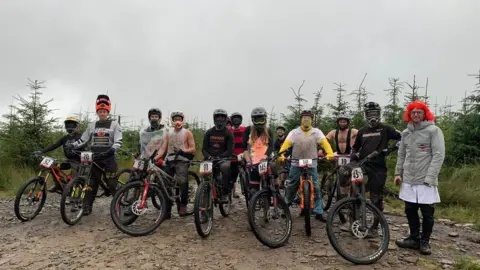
<point x="420" y="157"/>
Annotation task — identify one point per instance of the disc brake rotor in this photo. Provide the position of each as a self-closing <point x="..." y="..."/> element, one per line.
<point x="139" y="211"/>
<point x="357" y="229"/>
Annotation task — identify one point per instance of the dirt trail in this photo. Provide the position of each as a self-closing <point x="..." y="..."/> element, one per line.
<point x="95" y="243"/>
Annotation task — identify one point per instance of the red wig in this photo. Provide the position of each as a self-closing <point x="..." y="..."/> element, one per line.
<point x="419" y="106"/>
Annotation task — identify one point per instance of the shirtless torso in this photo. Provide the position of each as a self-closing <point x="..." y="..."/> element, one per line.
<point x="343" y="139"/>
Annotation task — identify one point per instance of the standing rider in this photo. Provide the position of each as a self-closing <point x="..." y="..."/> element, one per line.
<point x="218" y="142"/>
<point x="371" y="137"/>
<point x="258" y="144"/>
<point x="344" y="137"/>
<point x="73" y="160"/>
<point x="305" y="140"/>
<point x="280" y="138"/>
<point x="151" y="138"/>
<point x="106" y="137"/>
<point x="179" y="145"/>
<point x="237" y="130"/>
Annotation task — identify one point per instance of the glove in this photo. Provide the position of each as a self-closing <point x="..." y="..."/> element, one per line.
<point x="179" y="152"/>
<point x="159" y="162"/>
<point x="353" y="157"/>
<point x="330" y="156"/>
<point x="37" y="153"/>
<point x="107" y="153"/>
<point x="69" y="145"/>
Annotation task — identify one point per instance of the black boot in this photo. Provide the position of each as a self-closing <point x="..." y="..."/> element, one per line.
<point x="425" y="248"/>
<point x="55" y="187"/>
<point x="410" y="242"/>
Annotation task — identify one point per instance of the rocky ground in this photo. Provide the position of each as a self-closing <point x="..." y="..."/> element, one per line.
<point x="95" y="243"/>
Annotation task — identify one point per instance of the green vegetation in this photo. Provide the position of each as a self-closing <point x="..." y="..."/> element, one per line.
<point x="29" y="127"/>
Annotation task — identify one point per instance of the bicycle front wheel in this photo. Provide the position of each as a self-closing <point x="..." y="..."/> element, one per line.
<point x="203" y="210"/>
<point x="126" y="208"/>
<point x="277" y="211"/>
<point x="73" y="196"/>
<point x="350" y="237"/>
<point x="33" y="198"/>
<point x="306" y="207"/>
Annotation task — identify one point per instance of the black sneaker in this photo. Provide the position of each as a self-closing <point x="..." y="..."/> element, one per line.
<point x="320" y="217"/>
<point x="87" y="210"/>
<point x="409" y="242"/>
<point x="425" y="248"/>
<point x="54" y="188"/>
<point x="372" y="232"/>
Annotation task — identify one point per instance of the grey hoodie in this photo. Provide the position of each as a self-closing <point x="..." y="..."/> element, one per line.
<point x="421" y="154"/>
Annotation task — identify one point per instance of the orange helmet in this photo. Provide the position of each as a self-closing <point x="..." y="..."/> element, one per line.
<point x="103" y="103"/>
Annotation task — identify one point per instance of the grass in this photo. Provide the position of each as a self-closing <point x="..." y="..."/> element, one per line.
<point x="459" y="192"/>
<point x="466" y="263"/>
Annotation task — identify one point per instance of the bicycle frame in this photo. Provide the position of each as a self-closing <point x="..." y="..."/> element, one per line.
<point x="49" y="167"/>
<point x="305" y="176"/>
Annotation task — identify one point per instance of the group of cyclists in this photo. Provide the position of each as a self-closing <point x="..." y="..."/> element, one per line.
<point x="228" y="138"/>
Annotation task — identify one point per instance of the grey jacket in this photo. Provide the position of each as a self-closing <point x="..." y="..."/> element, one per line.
<point x="421" y="154"/>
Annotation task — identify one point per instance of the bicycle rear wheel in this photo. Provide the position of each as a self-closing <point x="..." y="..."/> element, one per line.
<point x="356" y="233"/>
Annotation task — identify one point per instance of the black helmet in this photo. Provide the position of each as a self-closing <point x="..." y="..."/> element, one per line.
<point x="220" y="123"/>
<point x="306" y="113"/>
<point x="281" y="127"/>
<point x="153" y="111"/>
<point x="236" y="118"/>
<point x="372" y="112"/>
<point x="259" y="117"/>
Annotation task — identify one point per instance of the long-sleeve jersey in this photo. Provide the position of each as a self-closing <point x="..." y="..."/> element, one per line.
<point x="103" y="134"/>
<point x="261" y="146"/>
<point x="374" y="139"/>
<point x="218" y="143"/>
<point x="238" y="139"/>
<point x="62" y="142"/>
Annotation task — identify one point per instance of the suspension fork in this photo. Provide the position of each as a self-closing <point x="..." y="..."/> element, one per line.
<point x="144" y="195"/>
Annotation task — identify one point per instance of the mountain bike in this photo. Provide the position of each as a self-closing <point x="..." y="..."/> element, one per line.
<point x="354" y="208"/>
<point x="75" y="191"/>
<point x="274" y="206"/>
<point x="208" y="195"/>
<point x="49" y="167"/>
<point x="243" y="178"/>
<point x="330" y="184"/>
<point x="306" y="191"/>
<point x="158" y="186"/>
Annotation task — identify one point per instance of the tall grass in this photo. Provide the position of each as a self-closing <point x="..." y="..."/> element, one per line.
<point x="459" y="194"/>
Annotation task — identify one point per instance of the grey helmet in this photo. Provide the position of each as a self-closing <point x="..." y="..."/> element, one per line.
<point x="259" y="117"/>
<point x="220" y="123"/>
<point x="236" y="118"/>
<point x="177" y="113"/>
<point x="370" y="107"/>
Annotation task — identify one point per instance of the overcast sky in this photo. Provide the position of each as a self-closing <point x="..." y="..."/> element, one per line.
<point x="197" y="56"/>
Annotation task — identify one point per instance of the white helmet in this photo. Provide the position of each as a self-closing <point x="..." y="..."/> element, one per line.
<point x="177" y="124"/>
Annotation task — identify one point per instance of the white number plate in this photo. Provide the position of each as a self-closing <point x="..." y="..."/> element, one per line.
<point x="305" y="163"/>
<point x="138" y="165"/>
<point x="357" y="175"/>
<point x="206" y="167"/>
<point x="86" y="156"/>
<point x="240" y="156"/>
<point x="47" y="162"/>
<point x="343" y="161"/>
<point x="262" y="167"/>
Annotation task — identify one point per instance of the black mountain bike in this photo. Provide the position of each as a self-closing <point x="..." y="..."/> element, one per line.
<point x="355" y="208"/>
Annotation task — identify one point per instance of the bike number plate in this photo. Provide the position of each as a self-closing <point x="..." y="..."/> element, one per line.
<point x="343" y="161"/>
<point x="86" y="156"/>
<point x="138" y="165"/>
<point x="305" y="163"/>
<point x="262" y="167"/>
<point x="357" y="175"/>
<point x="240" y="156"/>
<point x="47" y="162"/>
<point x="206" y="167"/>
